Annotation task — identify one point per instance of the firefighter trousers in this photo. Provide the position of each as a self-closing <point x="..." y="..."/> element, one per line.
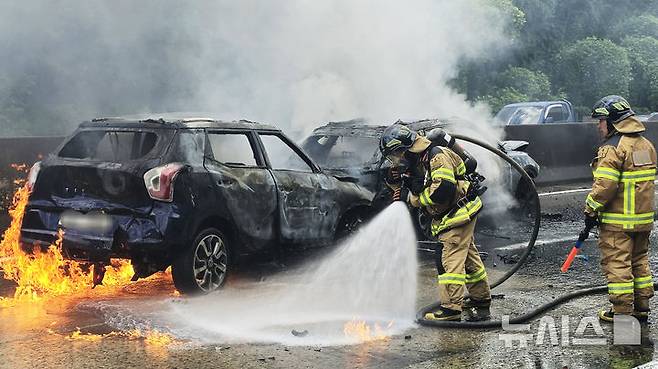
<point x="625" y="262"/>
<point x="461" y="267"/>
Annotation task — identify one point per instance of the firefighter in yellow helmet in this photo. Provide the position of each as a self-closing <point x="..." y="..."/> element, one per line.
<point x="439" y="187"/>
<point x="621" y="203"/>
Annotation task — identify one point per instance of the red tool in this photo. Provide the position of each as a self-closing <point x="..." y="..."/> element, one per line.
<point x="584" y="234"/>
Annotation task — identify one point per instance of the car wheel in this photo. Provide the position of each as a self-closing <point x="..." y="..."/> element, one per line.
<point x="423" y="223"/>
<point x="349" y="224"/>
<point x="526" y="199"/>
<point x="203" y="267"/>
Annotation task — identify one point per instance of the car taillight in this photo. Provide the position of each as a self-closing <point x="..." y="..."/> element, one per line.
<point x="32" y="176"/>
<point x="159" y="181"/>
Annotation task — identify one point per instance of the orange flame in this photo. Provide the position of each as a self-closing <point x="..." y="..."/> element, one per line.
<point x="79" y="336"/>
<point x="46" y="273"/>
<point x="363" y="332"/>
<point x="20" y="167"/>
<point x="151" y="337"/>
<point x="156" y="338"/>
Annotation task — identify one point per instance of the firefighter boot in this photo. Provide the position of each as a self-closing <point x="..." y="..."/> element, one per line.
<point x="641" y="310"/>
<point x="477" y="310"/>
<point x="608" y="315"/>
<point x="443" y="314"/>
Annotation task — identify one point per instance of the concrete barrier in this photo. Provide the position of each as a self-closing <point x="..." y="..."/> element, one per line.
<point x="564" y="150"/>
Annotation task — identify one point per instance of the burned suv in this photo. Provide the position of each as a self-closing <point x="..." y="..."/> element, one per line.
<point x="196" y="194"/>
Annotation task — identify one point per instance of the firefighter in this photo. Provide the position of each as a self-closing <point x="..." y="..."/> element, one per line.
<point x="621" y="203"/>
<point x="437" y="184"/>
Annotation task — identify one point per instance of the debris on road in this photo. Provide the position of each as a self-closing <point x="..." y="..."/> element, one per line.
<point x="297" y="333"/>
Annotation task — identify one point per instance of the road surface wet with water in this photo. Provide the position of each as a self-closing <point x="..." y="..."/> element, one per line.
<point x="124" y="327"/>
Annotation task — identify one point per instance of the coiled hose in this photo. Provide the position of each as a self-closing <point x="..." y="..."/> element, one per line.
<point x="420" y="317"/>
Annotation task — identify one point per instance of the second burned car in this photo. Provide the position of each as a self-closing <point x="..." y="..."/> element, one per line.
<point x="350" y="148"/>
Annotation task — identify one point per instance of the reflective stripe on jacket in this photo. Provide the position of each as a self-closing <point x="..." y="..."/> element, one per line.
<point x="459" y="217"/>
<point x="444" y="188"/>
<point x="443" y="170"/>
<point x="623" y="191"/>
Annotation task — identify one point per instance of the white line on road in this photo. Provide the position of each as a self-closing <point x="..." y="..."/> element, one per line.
<point x="564" y="192"/>
<point x="522" y="245"/>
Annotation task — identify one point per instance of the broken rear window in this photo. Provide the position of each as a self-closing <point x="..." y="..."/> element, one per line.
<point x="110" y="146"/>
<point x="233" y="149"/>
<point x="342" y="151"/>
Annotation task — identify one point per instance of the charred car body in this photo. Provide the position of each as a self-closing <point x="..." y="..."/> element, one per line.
<point x="196" y="194"/>
<point x="350" y="148"/>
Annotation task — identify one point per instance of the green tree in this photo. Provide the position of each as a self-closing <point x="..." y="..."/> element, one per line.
<point x="653" y="87"/>
<point x="517" y="84"/>
<point x="475" y="77"/>
<point x="592" y="68"/>
<point x="642" y="52"/>
<point x="538" y="39"/>
<point x="515" y="15"/>
<point x="502" y="97"/>
<point x="643" y="25"/>
<point x="534" y="84"/>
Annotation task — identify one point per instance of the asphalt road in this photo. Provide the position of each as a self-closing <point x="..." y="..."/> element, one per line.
<point x="45" y="335"/>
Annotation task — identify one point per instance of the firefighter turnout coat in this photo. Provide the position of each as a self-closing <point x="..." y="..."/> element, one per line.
<point x="444" y="187"/>
<point x="453" y="223"/>
<point x="624" y="172"/>
<point x="622" y="197"/>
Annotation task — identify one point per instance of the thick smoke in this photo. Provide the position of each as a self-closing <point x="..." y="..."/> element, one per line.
<point x="294" y="63"/>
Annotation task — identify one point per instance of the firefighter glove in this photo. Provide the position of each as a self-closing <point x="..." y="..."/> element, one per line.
<point x="591" y="221"/>
<point x="414" y="200"/>
<point x="416" y="184"/>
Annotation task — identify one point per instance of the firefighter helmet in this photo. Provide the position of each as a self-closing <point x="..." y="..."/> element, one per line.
<point x="396" y="138"/>
<point x="612" y="108"/>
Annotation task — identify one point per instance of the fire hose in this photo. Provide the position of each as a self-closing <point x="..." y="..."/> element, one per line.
<point x="420" y="316"/>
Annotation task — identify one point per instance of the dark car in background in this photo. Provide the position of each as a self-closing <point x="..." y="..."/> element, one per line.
<point x="198" y="194"/>
<point x="351" y="149"/>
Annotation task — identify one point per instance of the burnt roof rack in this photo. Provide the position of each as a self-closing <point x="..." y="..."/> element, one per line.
<point x="181" y="119"/>
<point x="189" y="120"/>
<point x="105" y="119"/>
<point x="148" y="120"/>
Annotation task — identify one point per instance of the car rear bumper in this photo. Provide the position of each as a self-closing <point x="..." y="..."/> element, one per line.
<point x="130" y="236"/>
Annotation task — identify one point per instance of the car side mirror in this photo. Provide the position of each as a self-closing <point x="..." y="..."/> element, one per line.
<point x="549" y="120"/>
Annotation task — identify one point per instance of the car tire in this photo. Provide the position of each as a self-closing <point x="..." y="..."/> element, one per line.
<point x="349" y="224"/>
<point x="423" y="224"/>
<point x="525" y="198"/>
<point x="204" y="265"/>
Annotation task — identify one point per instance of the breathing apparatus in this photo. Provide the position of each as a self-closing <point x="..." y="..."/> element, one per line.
<point x="441" y="138"/>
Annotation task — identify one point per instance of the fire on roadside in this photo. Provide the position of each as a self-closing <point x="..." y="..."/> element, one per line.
<point x="20" y="167"/>
<point x="46" y="273"/>
<point x="150" y="337"/>
<point x="361" y="331"/>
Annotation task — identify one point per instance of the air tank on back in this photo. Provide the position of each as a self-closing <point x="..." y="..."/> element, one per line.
<point x="442" y="138"/>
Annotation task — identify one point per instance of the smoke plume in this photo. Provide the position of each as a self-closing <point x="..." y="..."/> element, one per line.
<point x="293" y="63"/>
